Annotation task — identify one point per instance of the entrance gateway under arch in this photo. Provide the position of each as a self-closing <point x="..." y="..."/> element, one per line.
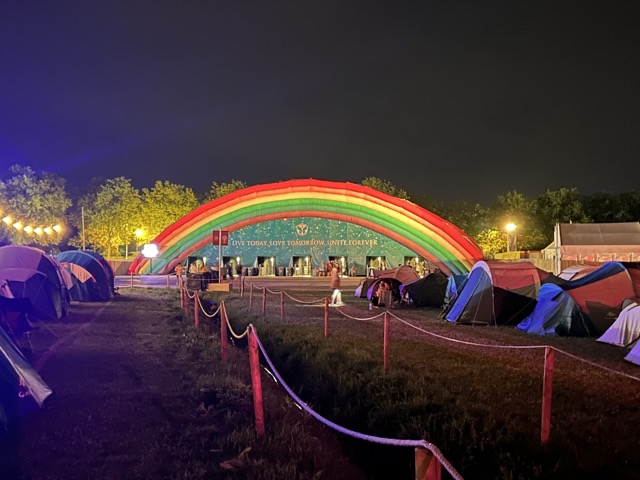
<point x="343" y="210"/>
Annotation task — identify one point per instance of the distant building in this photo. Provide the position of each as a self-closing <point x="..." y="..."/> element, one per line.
<point x="593" y="243"/>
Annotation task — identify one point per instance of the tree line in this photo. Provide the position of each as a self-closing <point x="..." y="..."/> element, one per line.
<point x="114" y="218"/>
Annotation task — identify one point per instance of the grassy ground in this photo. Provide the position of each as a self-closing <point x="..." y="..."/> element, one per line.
<point x="140" y="395"/>
<point x="480" y="406"/>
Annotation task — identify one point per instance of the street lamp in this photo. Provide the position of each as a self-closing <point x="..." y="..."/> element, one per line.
<point x="150" y="251"/>
<point x="512" y="239"/>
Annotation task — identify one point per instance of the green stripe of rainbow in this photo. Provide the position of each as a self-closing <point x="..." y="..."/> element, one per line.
<point x="419" y="230"/>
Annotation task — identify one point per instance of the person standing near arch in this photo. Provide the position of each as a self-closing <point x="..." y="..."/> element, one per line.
<point x="336" y="297"/>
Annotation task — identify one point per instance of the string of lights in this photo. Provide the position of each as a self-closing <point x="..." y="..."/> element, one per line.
<point x="28" y="228"/>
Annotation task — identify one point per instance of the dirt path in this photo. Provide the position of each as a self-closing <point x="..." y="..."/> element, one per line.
<point x="119" y="395"/>
<point x="138" y="394"/>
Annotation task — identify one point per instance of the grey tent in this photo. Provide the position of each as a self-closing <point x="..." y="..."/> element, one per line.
<point x="23" y="257"/>
<point x="98" y="288"/>
<point x="19" y="382"/>
<point x="428" y="291"/>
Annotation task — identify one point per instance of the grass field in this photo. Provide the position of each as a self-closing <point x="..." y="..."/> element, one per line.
<point x="480" y="406"/>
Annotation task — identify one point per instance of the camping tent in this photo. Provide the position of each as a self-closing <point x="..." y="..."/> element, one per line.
<point x="556" y="313"/>
<point x="33" y="285"/>
<point x="634" y="355"/>
<point x="16" y="373"/>
<point x="574" y="272"/>
<point x="107" y="267"/>
<point x="98" y="288"/>
<point x="454" y="286"/>
<point x="600" y="293"/>
<point x="427" y="291"/>
<point x="394" y="276"/>
<point x="13" y="314"/>
<point x="403" y="274"/>
<point x="363" y="287"/>
<point x="400" y="275"/>
<point x="625" y="331"/>
<point x="83" y="282"/>
<point x="29" y="258"/>
<point x="497" y="293"/>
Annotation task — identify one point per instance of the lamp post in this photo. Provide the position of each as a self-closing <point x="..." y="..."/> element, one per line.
<point x="512" y="239"/>
<point x="138" y="233"/>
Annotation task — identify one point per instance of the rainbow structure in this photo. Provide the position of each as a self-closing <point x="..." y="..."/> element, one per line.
<point x="417" y="229"/>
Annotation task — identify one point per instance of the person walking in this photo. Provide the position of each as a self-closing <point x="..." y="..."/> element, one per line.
<point x="336" y="296"/>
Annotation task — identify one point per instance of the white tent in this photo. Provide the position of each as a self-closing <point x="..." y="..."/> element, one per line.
<point x="625" y="331"/>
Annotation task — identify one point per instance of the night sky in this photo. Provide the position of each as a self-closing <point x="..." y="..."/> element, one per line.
<point x="456" y="100"/>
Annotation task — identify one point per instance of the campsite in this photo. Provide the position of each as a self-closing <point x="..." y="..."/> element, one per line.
<point x="140" y="393"/>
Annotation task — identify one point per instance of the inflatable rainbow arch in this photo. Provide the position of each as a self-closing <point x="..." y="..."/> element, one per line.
<point x="421" y="231"/>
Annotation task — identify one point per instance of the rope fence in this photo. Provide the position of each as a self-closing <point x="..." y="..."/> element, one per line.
<point x="549" y="351"/>
<point x="428" y="457"/>
<point x="429" y="460"/>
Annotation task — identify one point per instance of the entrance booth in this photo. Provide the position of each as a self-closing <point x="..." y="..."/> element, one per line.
<point x="419" y="264"/>
<point x="233" y="263"/>
<point x="301" y="265"/>
<point x="342" y="262"/>
<point x="265" y="266"/>
<point x="376" y="263"/>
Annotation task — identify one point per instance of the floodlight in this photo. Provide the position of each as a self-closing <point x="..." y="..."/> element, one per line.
<point x="150" y="250"/>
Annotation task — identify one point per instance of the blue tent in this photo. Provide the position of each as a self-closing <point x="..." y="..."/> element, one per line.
<point x="556" y="313"/>
<point x="98" y="289"/>
<point x="454" y="286"/>
<point x="497" y="293"/>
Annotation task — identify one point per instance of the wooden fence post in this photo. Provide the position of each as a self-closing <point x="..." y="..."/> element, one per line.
<point x="282" y="305"/>
<point x="427" y="465"/>
<point x="186" y="302"/>
<point x="547" y="388"/>
<point x="241" y="286"/>
<point x="196" y="311"/>
<point x="326" y="317"/>
<point x="264" y="299"/>
<point x="250" y="294"/>
<point x="256" y="382"/>
<point x="386" y="341"/>
<point x="181" y="299"/>
<point x="223" y="332"/>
